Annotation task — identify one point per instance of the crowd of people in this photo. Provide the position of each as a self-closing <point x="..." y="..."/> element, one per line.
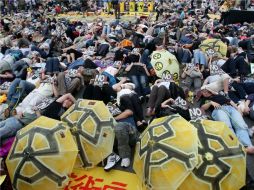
<point x="46" y="62"/>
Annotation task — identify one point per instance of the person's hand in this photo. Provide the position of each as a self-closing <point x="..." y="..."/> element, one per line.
<point x="171" y="100"/>
<point x="81" y="69"/>
<point x="215" y="105"/>
<point x="237" y="79"/>
<point x="246" y="110"/>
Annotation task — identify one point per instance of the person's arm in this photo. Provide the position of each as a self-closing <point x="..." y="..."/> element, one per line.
<point x="185" y="72"/>
<point x="128" y="68"/>
<point x="205" y="81"/>
<point x="55" y="91"/>
<point x="65" y="97"/>
<point x="147" y="72"/>
<point x="165" y="103"/>
<point x="127" y="113"/>
<point x="209" y="104"/>
<point x="7" y="75"/>
<point x="233" y="104"/>
<point x="117" y="87"/>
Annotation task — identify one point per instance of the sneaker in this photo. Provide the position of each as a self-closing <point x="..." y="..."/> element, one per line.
<point x="112" y="161"/>
<point x="125" y="162"/>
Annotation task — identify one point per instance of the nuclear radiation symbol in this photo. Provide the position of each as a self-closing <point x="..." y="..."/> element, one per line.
<point x="212" y="46"/>
<point x="175" y="76"/>
<point x="157" y="56"/>
<point x="30" y="155"/>
<point x="171" y="152"/>
<point x="158" y="66"/>
<point x="78" y="133"/>
<point x="212" y="158"/>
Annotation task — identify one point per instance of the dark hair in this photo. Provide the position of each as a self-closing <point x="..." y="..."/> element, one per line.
<point x="158" y="41"/>
<point x="132" y="58"/>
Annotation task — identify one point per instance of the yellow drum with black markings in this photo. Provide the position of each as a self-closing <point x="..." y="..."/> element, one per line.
<point x="42" y="156"/>
<point x="222" y="159"/>
<point x="91" y="124"/>
<point x="166" y="153"/>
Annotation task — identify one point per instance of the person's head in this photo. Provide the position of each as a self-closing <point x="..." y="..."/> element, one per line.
<point x="67" y="103"/>
<point x="206" y="93"/>
<point x="159" y="43"/>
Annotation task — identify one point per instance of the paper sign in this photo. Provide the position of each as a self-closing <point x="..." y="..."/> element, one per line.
<point x="99" y="80"/>
<point x="190" y="66"/>
<point x="196" y="113"/>
<point x="113" y="109"/>
<point x="215" y="69"/>
<point x="45" y="103"/>
<point x="166" y="76"/>
<point x="181" y="103"/>
<point x="210" y="52"/>
<point x="116" y="64"/>
<point x="252" y="68"/>
<point x="136" y="51"/>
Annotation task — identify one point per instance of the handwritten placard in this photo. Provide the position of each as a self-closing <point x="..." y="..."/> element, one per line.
<point x="252" y="68"/>
<point x="215" y="69"/>
<point x="166" y="76"/>
<point x="196" y="113"/>
<point x="181" y="103"/>
<point x="99" y="80"/>
<point x="116" y="64"/>
<point x="113" y="109"/>
<point x="45" y="103"/>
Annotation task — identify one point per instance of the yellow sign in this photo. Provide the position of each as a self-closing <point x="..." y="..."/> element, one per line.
<point x="122" y="7"/>
<point x="141" y="7"/>
<point x="150" y="6"/>
<point x="132" y="6"/>
<point x="98" y="179"/>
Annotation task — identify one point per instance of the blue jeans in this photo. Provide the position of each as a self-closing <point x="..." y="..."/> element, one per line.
<point x="199" y="57"/>
<point x="235" y="122"/>
<point x="111" y="78"/>
<point x="76" y="64"/>
<point x="106" y="30"/>
<point x="18" y="89"/>
<point x="140" y="82"/>
<point x="52" y="65"/>
<point x="41" y="52"/>
<point x="9" y="127"/>
<point x="145" y="59"/>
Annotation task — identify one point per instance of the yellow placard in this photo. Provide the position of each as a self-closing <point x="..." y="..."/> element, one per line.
<point x="122" y="7"/>
<point x="132" y="6"/>
<point x="150" y="6"/>
<point x="97" y="178"/>
<point x="2" y="178"/>
<point x="140" y="6"/>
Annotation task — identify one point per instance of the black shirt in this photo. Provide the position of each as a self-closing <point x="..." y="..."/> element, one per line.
<point x="54" y="110"/>
<point x="222" y="100"/>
